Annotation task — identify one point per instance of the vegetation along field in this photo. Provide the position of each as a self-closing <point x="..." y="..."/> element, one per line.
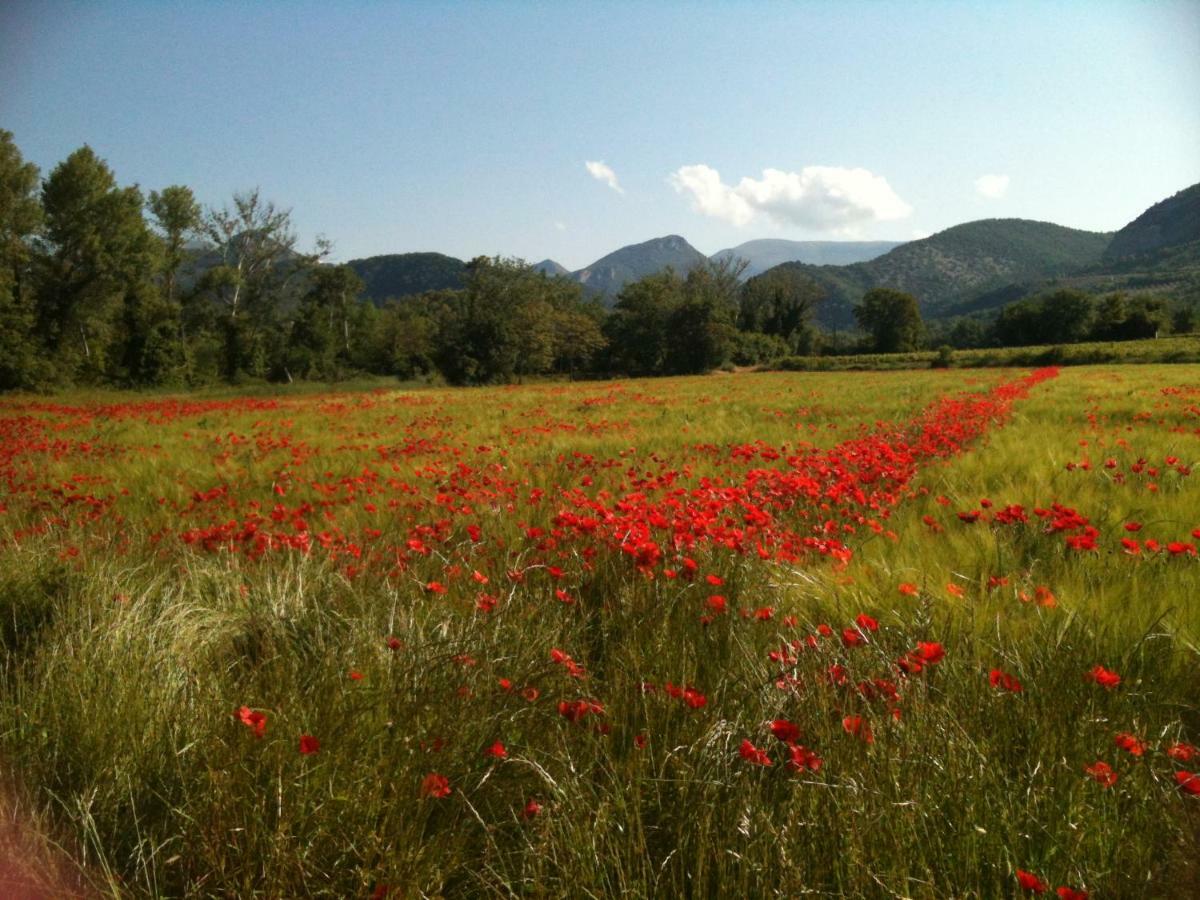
<point x="886" y="634"/>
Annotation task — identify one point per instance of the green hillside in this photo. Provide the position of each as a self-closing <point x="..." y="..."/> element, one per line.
<point x="402" y="274"/>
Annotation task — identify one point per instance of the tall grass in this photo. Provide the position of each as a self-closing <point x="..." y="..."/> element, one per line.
<point x="125" y="659"/>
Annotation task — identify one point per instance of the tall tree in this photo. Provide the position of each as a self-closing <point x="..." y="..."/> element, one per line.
<point x="99" y="257"/>
<point x="20" y="218"/>
<point x="892" y="318"/>
<point x="177" y="216"/>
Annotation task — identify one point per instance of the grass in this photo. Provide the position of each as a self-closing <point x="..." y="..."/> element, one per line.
<point x="128" y="649"/>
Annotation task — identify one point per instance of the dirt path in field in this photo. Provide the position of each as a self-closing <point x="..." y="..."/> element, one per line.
<point x="31" y="866"/>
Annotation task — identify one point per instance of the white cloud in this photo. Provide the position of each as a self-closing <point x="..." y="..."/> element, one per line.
<point x="603" y="172"/>
<point x="561" y="226"/>
<point x="822" y="198"/>
<point x="991" y="186"/>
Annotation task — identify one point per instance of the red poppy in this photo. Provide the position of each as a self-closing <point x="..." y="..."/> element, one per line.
<point x="497" y="750"/>
<point x="1130" y="743"/>
<point x="786" y="731"/>
<point x="752" y="754"/>
<point x="866" y="622"/>
<point x="1183" y="752"/>
<point x="1106" y="678"/>
<point x="1069" y="893"/>
<point x="1003" y="681"/>
<point x="714" y="580"/>
<point x="253" y="719"/>
<point x="859" y="727"/>
<point x="800" y="758"/>
<point x="531" y="810"/>
<point x="716" y="603"/>
<point x="309" y="745"/>
<point x="1102" y="773"/>
<point x="1030" y="882"/>
<point x="435" y="587"/>
<point x="355" y="675"/>
<point x="435" y="785"/>
<point x="1189" y="782"/>
<point x="639" y="741"/>
<point x="908" y="588"/>
<point x="394" y="643"/>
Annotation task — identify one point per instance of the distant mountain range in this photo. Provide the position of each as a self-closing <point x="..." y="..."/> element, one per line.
<point x="970" y="268"/>
<point x="770" y="252"/>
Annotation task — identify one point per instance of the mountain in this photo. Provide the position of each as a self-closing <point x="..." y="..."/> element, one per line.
<point x="1169" y="223"/>
<point x="957" y="266"/>
<point x="401" y="274"/>
<point x="767" y="253"/>
<point x="552" y="269"/>
<point x="607" y="275"/>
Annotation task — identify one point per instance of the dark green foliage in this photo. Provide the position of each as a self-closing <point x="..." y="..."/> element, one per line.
<point x="20" y="217"/>
<point x="1172" y="222"/>
<point x="407" y="274"/>
<point x="892" y="318"/>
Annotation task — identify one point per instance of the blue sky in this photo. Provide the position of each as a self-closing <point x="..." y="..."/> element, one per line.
<point x="467" y="128"/>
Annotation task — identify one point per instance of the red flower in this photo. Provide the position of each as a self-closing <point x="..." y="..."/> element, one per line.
<point x="356" y="676"/>
<point x="908" y="588"/>
<point x="1030" y="882"/>
<point x="1106" y="678"/>
<point x="532" y="809"/>
<point x="802" y="758"/>
<point x="639" y="741"/>
<point x="309" y="745"/>
<point x="253" y="719"/>
<point x="393" y="643"/>
<point x="1003" y="681"/>
<point x="435" y="587"/>
<point x="786" y="731"/>
<point x="1130" y="743"/>
<point x="1183" y="752"/>
<point x="1069" y="893"/>
<point x="866" y="622"/>
<point x="1102" y="773"/>
<point x="858" y="727"/>
<point x="931" y="652"/>
<point x="752" y="754"/>
<point x="714" y="580"/>
<point x="497" y="750"/>
<point x="852" y="637"/>
<point x="435" y="785"/>
<point x="1189" y="782"/>
<point x="716" y="603"/>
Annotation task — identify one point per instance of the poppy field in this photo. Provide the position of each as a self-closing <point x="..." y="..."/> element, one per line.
<point x="889" y="634"/>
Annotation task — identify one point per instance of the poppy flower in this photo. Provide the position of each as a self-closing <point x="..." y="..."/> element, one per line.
<point x="714" y="580"/>
<point x="908" y="588"/>
<point x="394" y="643"/>
<point x="1069" y="893"/>
<point x="786" y="731"/>
<point x="954" y="590"/>
<point x="435" y="587"/>
<point x="1001" y="680"/>
<point x="639" y="741"/>
<point x="1183" y="752"/>
<point x="435" y="785"/>
<point x="1102" y="773"/>
<point x="1130" y="744"/>
<point x="253" y="719"/>
<point x="852" y="637"/>
<point x="752" y="754"/>
<point x="1106" y="678"/>
<point x="309" y="745"/>
<point x="1188" y="782"/>
<point x="355" y="675"/>
<point x="497" y="751"/>
<point x="1030" y="882"/>
<point x="716" y="603"/>
<point x="859" y="727"/>
<point x="866" y="622"/>
<point x="531" y="809"/>
<point x="800" y="758"/>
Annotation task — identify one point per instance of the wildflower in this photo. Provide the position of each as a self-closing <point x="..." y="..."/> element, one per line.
<point x="435" y="587"/>
<point x="800" y="758"/>
<point x="355" y="675"/>
<point x="716" y="603"/>
<point x="253" y="719"/>
<point x="1030" y="882"/>
<point x="1069" y="893"/>
<point x="1001" y="680"/>
<point x="1130" y="744"/>
<point x="714" y="580"/>
<point x="435" y="785"/>
<point x="309" y="745"/>
<point x="531" y="810"/>
<point x="786" y="731"/>
<point x="1102" y="773"/>
<point x="866" y="622"/>
<point x="394" y="643"/>
<point x="497" y="751"/>
<point x="1106" y="678"/>
<point x="1189" y="782"/>
<point x="1183" y="752"/>
<point x="954" y="590"/>
<point x="640" y="741"/>
<point x="858" y="727"/>
<point x="752" y="754"/>
<point x="908" y="588"/>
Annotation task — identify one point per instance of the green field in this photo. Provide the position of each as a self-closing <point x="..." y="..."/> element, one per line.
<point x="747" y="635"/>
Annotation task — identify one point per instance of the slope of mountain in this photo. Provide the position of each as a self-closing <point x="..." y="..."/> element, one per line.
<point x="769" y="252"/>
<point x="958" y="265"/>
<point x="607" y="275"/>
<point x="401" y="274"/>
<point x="551" y="268"/>
<point x="1169" y="223"/>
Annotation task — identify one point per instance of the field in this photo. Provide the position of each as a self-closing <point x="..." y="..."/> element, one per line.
<point x="887" y="634"/>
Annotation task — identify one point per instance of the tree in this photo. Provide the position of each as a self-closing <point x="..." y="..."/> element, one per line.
<point x="177" y="215"/>
<point x="892" y="318"/>
<point x="780" y="302"/>
<point x="256" y="276"/>
<point x="638" y="326"/>
<point x="319" y="343"/>
<point x="701" y="331"/>
<point x="99" y="258"/>
<point x="20" y="218"/>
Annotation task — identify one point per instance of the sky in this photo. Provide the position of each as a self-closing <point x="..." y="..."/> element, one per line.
<point x="566" y="130"/>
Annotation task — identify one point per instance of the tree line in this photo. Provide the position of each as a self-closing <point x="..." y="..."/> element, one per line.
<point x="103" y="285"/>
